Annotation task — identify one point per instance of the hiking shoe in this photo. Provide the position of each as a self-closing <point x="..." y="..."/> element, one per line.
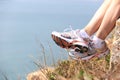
<point x="92" y="52"/>
<point x="99" y="52"/>
<point x="70" y="40"/>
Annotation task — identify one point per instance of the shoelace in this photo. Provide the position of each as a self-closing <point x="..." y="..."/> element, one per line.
<point x="70" y="29"/>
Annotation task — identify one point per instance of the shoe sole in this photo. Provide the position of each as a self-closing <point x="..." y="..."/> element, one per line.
<point x="103" y="54"/>
<point x="97" y="55"/>
<point x="67" y="43"/>
<point x="61" y="42"/>
<point x="81" y="57"/>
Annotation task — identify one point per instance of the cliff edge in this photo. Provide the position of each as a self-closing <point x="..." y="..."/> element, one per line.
<point x="107" y="68"/>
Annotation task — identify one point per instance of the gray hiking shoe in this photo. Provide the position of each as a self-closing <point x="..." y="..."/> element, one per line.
<point x="70" y="40"/>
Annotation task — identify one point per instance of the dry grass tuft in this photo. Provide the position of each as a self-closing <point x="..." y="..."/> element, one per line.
<point x="84" y="70"/>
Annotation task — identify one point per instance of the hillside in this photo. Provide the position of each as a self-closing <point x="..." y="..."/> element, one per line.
<point x="107" y="68"/>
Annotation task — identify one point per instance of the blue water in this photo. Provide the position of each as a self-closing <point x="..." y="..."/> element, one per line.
<point x="24" y="24"/>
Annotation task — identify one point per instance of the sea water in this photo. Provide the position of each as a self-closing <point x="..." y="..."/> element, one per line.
<point x="26" y="24"/>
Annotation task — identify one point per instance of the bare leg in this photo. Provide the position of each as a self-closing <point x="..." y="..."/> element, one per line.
<point x="95" y="22"/>
<point x="110" y="17"/>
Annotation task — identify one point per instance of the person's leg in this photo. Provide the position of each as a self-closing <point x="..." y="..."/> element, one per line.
<point x="95" y="22"/>
<point x="112" y="13"/>
<point x="109" y="20"/>
<point x="107" y="24"/>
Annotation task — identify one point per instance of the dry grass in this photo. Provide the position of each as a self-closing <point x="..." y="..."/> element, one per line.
<point x="83" y="70"/>
<point x="94" y="69"/>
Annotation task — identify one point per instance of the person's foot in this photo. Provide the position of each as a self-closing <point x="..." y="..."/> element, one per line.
<point x="93" y="52"/>
<point x="70" y="40"/>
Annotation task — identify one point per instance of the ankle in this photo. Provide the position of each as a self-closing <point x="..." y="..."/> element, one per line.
<point x="98" y="43"/>
<point x="84" y="34"/>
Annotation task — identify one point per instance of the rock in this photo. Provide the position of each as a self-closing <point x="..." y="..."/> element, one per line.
<point x="115" y="50"/>
<point x="114" y="73"/>
<point x="40" y="74"/>
<point x="37" y="75"/>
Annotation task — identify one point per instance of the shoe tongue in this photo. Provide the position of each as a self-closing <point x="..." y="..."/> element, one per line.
<point x="69" y="35"/>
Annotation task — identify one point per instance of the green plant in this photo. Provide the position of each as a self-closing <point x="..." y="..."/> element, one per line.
<point x="51" y="75"/>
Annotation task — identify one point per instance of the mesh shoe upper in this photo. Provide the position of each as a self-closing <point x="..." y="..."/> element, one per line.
<point x="78" y="45"/>
<point x="68" y="38"/>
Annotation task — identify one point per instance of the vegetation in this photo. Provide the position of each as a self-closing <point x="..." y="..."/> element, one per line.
<point x="94" y="69"/>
